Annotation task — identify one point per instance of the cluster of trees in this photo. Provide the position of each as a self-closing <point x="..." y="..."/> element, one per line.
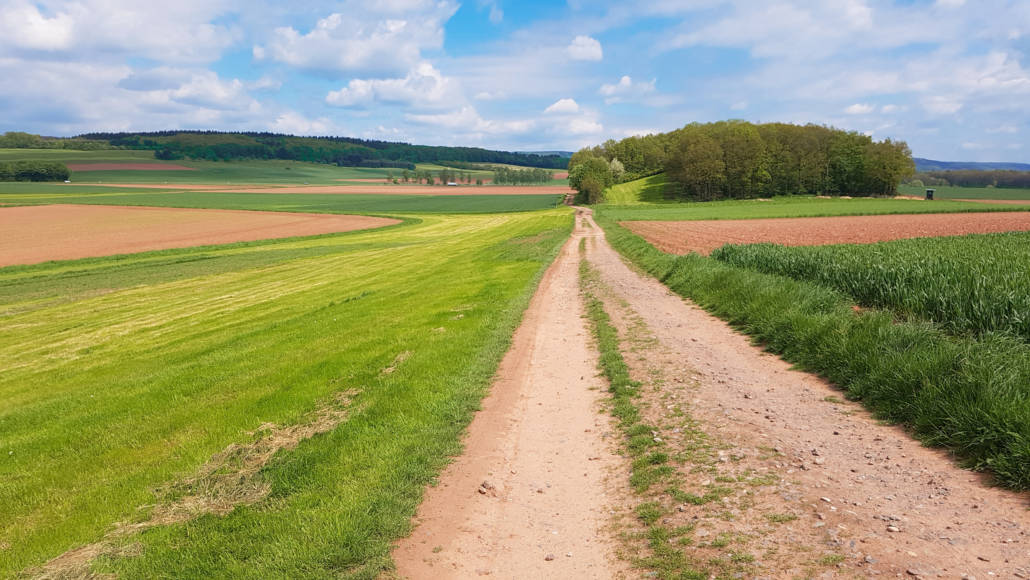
<point x="509" y="176"/>
<point x="741" y="160"/>
<point x="443" y="177"/>
<point x="33" y="171"/>
<point x="226" y="146"/>
<point x="974" y="178"/>
<point x="19" y="140"/>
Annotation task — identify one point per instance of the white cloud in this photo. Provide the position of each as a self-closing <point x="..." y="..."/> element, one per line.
<point x="583" y="127"/>
<point x="939" y="105"/>
<point x="496" y="13"/>
<point x="626" y="89"/>
<point x="467" y="121"/>
<point x="888" y="109"/>
<point x="423" y="86"/>
<point x="970" y="146"/>
<point x="563" y="106"/>
<point x="294" y="123"/>
<point x="738" y="106"/>
<point x="490" y="95"/>
<point x="363" y="37"/>
<point x="859" y="109"/>
<point x="585" y="48"/>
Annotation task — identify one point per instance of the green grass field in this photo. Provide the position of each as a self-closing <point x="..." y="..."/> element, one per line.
<point x="641" y="191"/>
<point x="124" y="375"/>
<point x="782" y="207"/>
<point x="968" y="192"/>
<point x="42" y="194"/>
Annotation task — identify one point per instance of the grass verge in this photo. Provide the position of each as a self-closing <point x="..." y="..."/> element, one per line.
<point x="971" y="396"/>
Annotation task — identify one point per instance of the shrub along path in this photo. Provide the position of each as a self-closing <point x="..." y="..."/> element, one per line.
<point x="886" y="503"/>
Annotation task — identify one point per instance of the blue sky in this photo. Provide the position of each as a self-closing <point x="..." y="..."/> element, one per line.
<point x="948" y="76"/>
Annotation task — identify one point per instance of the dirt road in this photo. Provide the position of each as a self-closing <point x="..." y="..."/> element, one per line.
<point x="787" y="479"/>
<point x="529" y="497"/>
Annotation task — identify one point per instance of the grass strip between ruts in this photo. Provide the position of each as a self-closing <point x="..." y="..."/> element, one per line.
<point x="970" y="396"/>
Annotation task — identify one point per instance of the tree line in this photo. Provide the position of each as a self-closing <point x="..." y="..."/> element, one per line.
<point x="20" y="140"/>
<point x="33" y="171"/>
<point x="346" y="151"/>
<point x="509" y="176"/>
<point x="742" y="160"/>
<point x="974" y="178"/>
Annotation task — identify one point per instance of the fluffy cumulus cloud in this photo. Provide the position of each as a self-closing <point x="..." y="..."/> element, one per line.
<point x="563" y="106"/>
<point x="585" y="48"/>
<point x="859" y="109"/>
<point x="626" y="90"/>
<point x="423" y="86"/>
<point x="363" y="37"/>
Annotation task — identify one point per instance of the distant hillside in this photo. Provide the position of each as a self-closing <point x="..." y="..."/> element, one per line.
<point x="343" y="151"/>
<point x="926" y="165"/>
<point x="565" y="154"/>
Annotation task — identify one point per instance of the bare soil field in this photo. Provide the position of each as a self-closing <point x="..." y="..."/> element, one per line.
<point x="682" y="237"/>
<point x="81" y="167"/>
<point x="36" y="234"/>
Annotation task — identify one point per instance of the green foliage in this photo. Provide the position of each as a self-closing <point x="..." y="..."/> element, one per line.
<point x="644" y="190"/>
<point x="590" y="177"/>
<point x="952" y="192"/>
<point x="509" y="176"/>
<point x="978" y="178"/>
<point x="153" y="363"/>
<point x="343" y="151"/>
<point x="971" y="396"/>
<point x="33" y="171"/>
<point x="969" y="284"/>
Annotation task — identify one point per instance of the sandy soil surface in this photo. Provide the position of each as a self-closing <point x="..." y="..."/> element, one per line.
<point x="63" y="232"/>
<point x="682" y="237"/>
<point x="529" y="497"/>
<point x="867" y="491"/>
<point x="414" y="190"/>
<point x="82" y="167"/>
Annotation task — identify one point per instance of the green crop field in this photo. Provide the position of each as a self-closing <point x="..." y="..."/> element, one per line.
<point x="941" y="349"/>
<point x="37" y="194"/>
<point x="949" y="192"/>
<point x="123" y="376"/>
<point x="969" y="284"/>
<point x="783" y="207"/>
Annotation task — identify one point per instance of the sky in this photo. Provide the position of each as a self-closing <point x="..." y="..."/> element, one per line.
<point x="950" y="77"/>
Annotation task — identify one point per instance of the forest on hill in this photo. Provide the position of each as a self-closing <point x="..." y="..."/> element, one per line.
<point x="230" y="146"/>
<point x="742" y="160"/>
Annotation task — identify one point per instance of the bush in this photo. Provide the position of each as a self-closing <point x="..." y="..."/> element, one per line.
<point x="33" y="171"/>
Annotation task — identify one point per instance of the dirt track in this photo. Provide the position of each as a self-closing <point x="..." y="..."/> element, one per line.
<point x="539" y="444"/>
<point x="64" y="232"/>
<point x="837" y="492"/>
<point x="682" y="237"/>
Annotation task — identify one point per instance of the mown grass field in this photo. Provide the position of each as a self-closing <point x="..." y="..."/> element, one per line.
<point x="36" y="194"/>
<point x="782" y="207"/>
<point x="972" y="285"/>
<point x="964" y="391"/>
<point x="123" y="376"/>
<point x="949" y="192"/>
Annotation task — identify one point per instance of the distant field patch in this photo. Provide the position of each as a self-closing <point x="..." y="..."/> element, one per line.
<point x="413" y="190"/>
<point x="34" y="234"/>
<point x="81" y="167"/>
<point x="683" y="237"/>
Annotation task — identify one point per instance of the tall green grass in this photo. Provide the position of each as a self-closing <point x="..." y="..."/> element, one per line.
<point x="141" y="368"/>
<point x="970" y="284"/>
<point x="952" y="192"/>
<point x="971" y="396"/>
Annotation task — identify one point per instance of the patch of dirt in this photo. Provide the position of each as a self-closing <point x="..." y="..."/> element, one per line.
<point x="229" y="479"/>
<point x="85" y="167"/>
<point x="34" y="234"/>
<point x="682" y="237"/>
<point x="869" y="491"/>
<point x="530" y="495"/>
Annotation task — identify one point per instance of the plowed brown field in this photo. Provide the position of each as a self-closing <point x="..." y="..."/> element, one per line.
<point x="682" y="237"/>
<point x="64" y="232"/>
